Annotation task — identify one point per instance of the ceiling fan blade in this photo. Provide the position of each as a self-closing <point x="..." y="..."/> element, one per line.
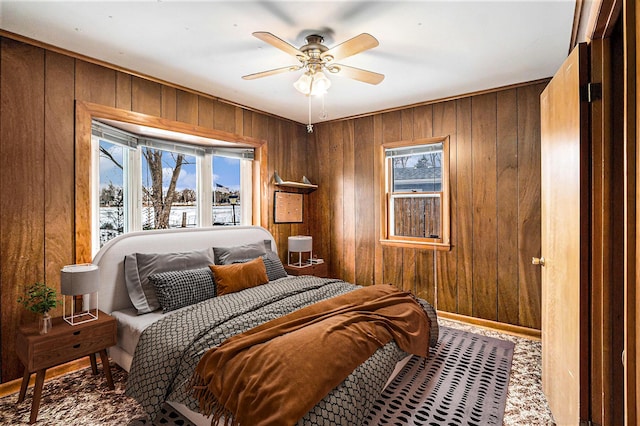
<point x="279" y="43"/>
<point x="271" y="72"/>
<point x="350" y="47"/>
<point x="357" y="74"/>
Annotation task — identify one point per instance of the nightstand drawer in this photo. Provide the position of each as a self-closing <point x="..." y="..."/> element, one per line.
<point x="72" y="345"/>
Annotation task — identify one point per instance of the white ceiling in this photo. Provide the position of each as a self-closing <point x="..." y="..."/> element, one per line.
<point x="428" y="49"/>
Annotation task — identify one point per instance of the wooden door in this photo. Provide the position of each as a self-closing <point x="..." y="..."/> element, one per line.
<point x="565" y="233"/>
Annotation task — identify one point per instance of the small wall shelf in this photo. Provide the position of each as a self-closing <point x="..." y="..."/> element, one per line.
<point x="304" y="185"/>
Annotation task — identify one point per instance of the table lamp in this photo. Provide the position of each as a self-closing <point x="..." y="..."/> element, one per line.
<point x="80" y="280"/>
<point x="299" y="244"/>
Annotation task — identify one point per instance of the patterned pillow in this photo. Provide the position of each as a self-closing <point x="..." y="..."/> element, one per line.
<point x="177" y="289"/>
<point x="274" y="266"/>
<point x="272" y="262"/>
<point x="238" y="276"/>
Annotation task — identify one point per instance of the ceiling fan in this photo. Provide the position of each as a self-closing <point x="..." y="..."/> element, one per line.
<point x="315" y="57"/>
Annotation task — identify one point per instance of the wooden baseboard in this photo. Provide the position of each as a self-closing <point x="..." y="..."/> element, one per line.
<point x="14" y="385"/>
<point x="515" y="330"/>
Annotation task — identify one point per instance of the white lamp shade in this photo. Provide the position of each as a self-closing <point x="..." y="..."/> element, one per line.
<point x="300" y="243"/>
<point x="303" y="84"/>
<point x="313" y="84"/>
<point x="79" y="279"/>
<point x="320" y="84"/>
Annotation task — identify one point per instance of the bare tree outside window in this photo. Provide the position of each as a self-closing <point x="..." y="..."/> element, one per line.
<point x="154" y="193"/>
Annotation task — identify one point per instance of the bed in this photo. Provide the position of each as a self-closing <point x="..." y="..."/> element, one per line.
<point x="160" y="346"/>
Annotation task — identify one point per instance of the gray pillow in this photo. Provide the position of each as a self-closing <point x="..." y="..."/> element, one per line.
<point x="177" y="289"/>
<point x="138" y="267"/>
<point x="228" y="255"/>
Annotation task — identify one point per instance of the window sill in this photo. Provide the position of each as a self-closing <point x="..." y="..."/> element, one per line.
<point x="416" y="244"/>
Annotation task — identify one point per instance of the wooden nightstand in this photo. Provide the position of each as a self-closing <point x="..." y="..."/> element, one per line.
<point x="318" y="269"/>
<point x="62" y="344"/>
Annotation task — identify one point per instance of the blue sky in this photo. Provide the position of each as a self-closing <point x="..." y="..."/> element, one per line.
<point x="226" y="171"/>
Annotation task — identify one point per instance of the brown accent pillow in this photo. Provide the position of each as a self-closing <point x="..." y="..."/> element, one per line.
<point x="238" y="276"/>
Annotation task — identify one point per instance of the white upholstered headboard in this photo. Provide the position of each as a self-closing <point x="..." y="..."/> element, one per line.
<point x="113" y="294"/>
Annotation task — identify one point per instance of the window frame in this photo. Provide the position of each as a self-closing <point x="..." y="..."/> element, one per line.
<point x="133" y="182"/>
<point x="387" y="193"/>
<point x="85" y="112"/>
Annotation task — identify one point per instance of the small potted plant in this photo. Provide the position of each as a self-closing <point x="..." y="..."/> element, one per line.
<point x="40" y="299"/>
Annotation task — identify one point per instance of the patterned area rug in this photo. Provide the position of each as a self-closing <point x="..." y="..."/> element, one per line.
<point x="79" y="398"/>
<point x="464" y="381"/>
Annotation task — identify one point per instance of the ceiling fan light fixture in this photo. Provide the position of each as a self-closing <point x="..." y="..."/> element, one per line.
<point x="312" y="83"/>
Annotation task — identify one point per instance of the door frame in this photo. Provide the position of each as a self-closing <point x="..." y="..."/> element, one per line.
<point x="595" y="23"/>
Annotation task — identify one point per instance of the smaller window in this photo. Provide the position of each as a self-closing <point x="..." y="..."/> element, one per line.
<point x="416" y="210"/>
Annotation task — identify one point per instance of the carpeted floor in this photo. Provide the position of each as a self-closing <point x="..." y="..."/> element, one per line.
<point x="80" y="398"/>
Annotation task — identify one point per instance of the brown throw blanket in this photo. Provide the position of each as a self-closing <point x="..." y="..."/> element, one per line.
<point x="275" y="373"/>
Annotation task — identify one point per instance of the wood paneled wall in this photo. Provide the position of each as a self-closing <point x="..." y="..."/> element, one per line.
<point x="495" y="204"/>
<point x="38" y="88"/>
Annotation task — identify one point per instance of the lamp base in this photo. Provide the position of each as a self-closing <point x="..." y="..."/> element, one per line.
<point x="77" y="318"/>
<point x="82" y="317"/>
<point x="300" y="261"/>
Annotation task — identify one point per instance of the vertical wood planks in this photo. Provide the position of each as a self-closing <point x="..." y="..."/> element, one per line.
<point x="348" y="195"/>
<point x="485" y="232"/>
<point x="123" y="91"/>
<point x="22" y="174"/>
<point x="364" y="204"/>
<point x="147" y="98"/>
<point x="445" y="124"/>
<point x="205" y="112"/>
<point x="187" y="107"/>
<point x="336" y="206"/>
<point x="464" y="213"/>
<point x="378" y="197"/>
<point x="168" y="100"/>
<point x="323" y="208"/>
<point x="224" y="116"/>
<point x="529" y="220"/>
<point x="59" y="157"/>
<point x="95" y="84"/>
<point x="507" y="197"/>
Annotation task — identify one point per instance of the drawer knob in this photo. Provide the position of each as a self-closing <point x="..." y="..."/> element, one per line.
<point x="76" y="346"/>
<point x="75" y="333"/>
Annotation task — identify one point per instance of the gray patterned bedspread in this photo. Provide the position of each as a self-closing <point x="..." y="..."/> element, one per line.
<point x="169" y="350"/>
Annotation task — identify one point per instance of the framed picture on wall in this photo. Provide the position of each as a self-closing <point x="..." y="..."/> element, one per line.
<point x="287" y="207"/>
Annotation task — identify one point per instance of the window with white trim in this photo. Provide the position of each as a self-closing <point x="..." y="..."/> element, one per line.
<point x="151" y="183"/>
<point x="416" y="189"/>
